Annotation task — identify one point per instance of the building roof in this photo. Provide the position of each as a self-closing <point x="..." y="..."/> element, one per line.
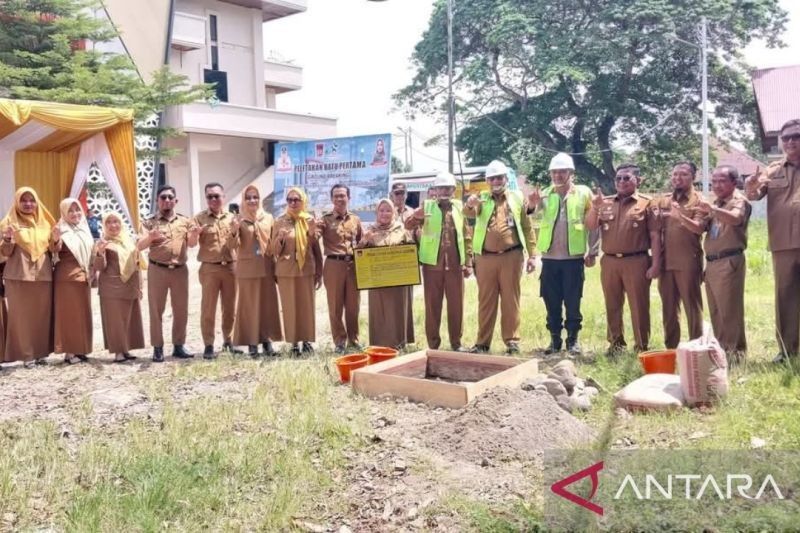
<point x="739" y="159"/>
<point x="776" y="92"/>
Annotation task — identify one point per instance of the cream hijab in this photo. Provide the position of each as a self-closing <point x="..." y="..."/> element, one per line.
<point x="78" y="237"/>
<point x="129" y="257"/>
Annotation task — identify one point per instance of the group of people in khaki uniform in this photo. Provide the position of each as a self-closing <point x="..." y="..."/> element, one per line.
<point x="259" y="269"/>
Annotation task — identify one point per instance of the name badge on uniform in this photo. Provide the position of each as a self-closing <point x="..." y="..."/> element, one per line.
<point x="257" y="248"/>
<point x="605" y="227"/>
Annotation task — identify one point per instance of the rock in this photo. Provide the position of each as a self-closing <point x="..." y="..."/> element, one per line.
<point x="387" y="511"/>
<point x="568" y="366"/>
<point x="591" y="392"/>
<point x="554" y="387"/>
<point x="563" y="402"/>
<point x="345" y="529"/>
<point x="566" y="379"/>
<point x="757" y="442"/>
<point x="412" y="513"/>
<point x="485" y="462"/>
<point x="622" y="413"/>
<point x="10" y="518"/>
<point x="531" y="384"/>
<point x="400" y="466"/>
<point x="308" y="526"/>
<point x="580" y="402"/>
<point x="540" y="388"/>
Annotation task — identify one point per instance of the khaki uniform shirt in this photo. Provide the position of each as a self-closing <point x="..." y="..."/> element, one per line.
<point x="448" y="258"/>
<point x="500" y="232"/>
<point x="682" y="250"/>
<point x="783" y="205"/>
<point x="20" y="267"/>
<point x="724" y="237"/>
<point x="626" y="223"/>
<point x="213" y="241"/>
<point x="339" y="233"/>
<point x="286" y="264"/>
<point x="171" y="251"/>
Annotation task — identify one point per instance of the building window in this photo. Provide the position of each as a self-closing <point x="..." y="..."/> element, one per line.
<point x="213" y="40"/>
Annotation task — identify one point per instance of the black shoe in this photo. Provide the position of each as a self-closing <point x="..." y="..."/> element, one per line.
<point x="129" y="357"/>
<point x="555" y="345"/>
<point x="512" y="348"/>
<point x="230" y="348"/>
<point x="307" y="348"/>
<point x="179" y="352"/>
<point x="81" y="357"/>
<point x="357" y="346"/>
<point x="339" y="350"/>
<point x="158" y="354"/>
<point x="41" y="361"/>
<point x="252" y="350"/>
<point x="295" y="351"/>
<point x="208" y="353"/>
<point x="268" y="349"/>
<point x="572" y="344"/>
<point x="479" y="348"/>
<point x="617" y="349"/>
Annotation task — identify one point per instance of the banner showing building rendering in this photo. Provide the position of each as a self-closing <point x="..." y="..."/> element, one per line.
<point x="362" y="163"/>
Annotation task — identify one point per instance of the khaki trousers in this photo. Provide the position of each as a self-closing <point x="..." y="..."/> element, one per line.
<point x="216" y="281"/>
<point x="681" y="287"/>
<point x="625" y="277"/>
<point x="498" y="278"/>
<point x="437" y="285"/>
<point x="724" y="279"/>
<point x="175" y="282"/>
<point x="786" y="265"/>
<point x="343" y="296"/>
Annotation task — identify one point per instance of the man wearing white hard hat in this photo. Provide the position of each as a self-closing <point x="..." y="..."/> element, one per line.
<point x="567" y="246"/>
<point x="503" y="235"/>
<point x="446" y="256"/>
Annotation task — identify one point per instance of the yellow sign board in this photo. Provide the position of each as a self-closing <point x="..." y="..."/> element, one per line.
<point x="387" y="266"/>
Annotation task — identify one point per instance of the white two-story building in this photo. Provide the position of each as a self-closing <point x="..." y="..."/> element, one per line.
<point x="230" y="139"/>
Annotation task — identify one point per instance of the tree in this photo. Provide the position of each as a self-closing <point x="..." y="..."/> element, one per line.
<point x="44" y="56"/>
<point x="398" y="166"/>
<point x="536" y="77"/>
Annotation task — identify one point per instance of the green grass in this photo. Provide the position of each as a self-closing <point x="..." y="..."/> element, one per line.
<point x="253" y="465"/>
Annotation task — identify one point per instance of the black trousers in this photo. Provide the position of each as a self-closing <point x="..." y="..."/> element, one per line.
<point x="561" y="286"/>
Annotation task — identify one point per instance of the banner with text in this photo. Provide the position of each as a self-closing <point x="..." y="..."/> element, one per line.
<point x="362" y="163"/>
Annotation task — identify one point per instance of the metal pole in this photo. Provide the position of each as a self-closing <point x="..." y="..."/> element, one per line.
<point x="450" y="102"/>
<point x="704" y="59"/>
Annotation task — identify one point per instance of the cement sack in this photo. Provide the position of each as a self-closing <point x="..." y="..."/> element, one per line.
<point x="703" y="369"/>
<point x="658" y="392"/>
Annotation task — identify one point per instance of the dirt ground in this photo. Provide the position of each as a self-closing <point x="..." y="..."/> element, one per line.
<point x="415" y="458"/>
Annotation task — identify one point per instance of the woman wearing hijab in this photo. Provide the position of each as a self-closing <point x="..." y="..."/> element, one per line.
<point x="72" y="299"/>
<point x="387" y="307"/>
<point x="258" y="318"/>
<point x="298" y="269"/>
<point x="28" y="278"/>
<point x="120" y="288"/>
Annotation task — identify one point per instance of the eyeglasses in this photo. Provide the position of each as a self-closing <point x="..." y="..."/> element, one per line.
<point x="213" y="196"/>
<point x="293" y="200"/>
<point x="792" y="137"/>
<point x="624" y="177"/>
<point x="166" y="197"/>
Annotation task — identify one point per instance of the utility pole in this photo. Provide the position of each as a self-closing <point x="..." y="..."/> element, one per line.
<point x="410" y="151"/>
<point x="704" y="60"/>
<point x="451" y="110"/>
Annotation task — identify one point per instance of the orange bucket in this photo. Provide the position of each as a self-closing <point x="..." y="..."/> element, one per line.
<point x="380" y="353"/>
<point x="348" y="363"/>
<point x="658" y="361"/>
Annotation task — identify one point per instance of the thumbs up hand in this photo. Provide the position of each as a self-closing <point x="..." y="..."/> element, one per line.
<point x="598" y="199"/>
<point x="535" y="197"/>
<point x="473" y="201"/>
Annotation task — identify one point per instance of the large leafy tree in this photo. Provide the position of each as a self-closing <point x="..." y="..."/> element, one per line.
<point x="601" y="79"/>
<point x="48" y="52"/>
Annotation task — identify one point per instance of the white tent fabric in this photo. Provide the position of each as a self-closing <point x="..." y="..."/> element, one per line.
<point x="95" y="150"/>
<point x="29" y="134"/>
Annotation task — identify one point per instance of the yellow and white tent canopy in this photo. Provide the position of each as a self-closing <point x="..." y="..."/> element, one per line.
<point x="50" y="147"/>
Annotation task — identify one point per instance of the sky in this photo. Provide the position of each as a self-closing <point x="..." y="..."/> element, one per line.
<point x="365" y="60"/>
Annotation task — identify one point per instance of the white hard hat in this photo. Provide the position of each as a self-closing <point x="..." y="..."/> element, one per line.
<point x="444" y="179"/>
<point x="496" y="168"/>
<point x="560" y="161"/>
